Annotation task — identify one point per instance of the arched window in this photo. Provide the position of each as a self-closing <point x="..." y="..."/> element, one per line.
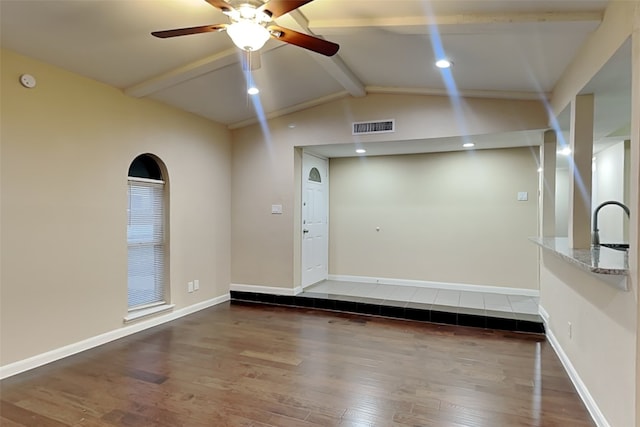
<point x="314" y="175"/>
<point x="146" y="234"/>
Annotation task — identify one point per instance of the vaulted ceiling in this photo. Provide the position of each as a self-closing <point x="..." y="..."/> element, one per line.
<point x="505" y="49"/>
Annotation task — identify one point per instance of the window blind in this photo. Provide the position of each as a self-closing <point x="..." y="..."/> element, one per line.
<point x="145" y="239"/>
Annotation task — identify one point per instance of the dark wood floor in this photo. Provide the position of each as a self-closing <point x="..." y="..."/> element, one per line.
<point x="276" y="366"/>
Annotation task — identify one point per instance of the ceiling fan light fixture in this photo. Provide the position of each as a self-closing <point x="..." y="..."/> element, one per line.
<point x="248" y="35"/>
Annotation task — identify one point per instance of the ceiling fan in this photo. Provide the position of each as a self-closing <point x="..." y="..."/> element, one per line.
<point x="252" y="25"/>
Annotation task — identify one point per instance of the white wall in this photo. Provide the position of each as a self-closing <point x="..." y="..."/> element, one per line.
<point x="445" y="217"/>
<point x="562" y="202"/>
<point x="609" y="184"/>
<point x="66" y="148"/>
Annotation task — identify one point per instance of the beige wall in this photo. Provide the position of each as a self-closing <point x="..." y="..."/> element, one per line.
<point x="262" y="243"/>
<point x="416" y="117"/>
<point x="444" y="217"/>
<point x="633" y="193"/>
<point x="66" y="148"/>
<point x="602" y="349"/>
<point x="602" y="343"/>
<point x="264" y="162"/>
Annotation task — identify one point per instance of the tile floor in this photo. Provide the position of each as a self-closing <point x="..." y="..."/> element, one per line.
<point x="476" y="309"/>
<point x="514" y="304"/>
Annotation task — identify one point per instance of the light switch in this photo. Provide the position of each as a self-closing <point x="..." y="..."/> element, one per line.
<point x="523" y="196"/>
<point x="276" y="209"/>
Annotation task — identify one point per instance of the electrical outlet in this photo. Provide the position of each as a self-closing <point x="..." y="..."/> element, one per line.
<point x="190" y="287"/>
<point x="196" y="285"/>
<point x="569" y="330"/>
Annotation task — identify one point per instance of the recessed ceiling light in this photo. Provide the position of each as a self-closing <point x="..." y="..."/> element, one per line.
<point x="565" y="151"/>
<point x="253" y="90"/>
<point x="291" y="126"/>
<point x="468" y="145"/>
<point x="361" y="151"/>
<point x="443" y="63"/>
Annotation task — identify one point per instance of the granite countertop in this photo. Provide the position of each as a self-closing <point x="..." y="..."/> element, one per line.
<point x="598" y="260"/>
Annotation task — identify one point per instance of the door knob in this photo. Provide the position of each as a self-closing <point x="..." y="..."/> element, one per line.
<point x="305" y="231"/>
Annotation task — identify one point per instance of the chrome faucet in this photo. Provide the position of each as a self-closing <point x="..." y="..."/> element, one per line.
<point x="595" y="237"/>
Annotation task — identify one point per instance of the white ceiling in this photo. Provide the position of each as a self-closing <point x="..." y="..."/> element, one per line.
<point x="511" y="48"/>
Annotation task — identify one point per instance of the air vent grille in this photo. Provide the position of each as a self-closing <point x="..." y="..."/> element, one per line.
<point x="380" y="126"/>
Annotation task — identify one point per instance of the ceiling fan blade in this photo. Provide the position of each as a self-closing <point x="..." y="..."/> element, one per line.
<point x="220" y="4"/>
<point x="277" y="8"/>
<point x="191" y="30"/>
<point x="306" y="41"/>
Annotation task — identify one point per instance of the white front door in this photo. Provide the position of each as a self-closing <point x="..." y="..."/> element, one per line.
<point x="315" y="219"/>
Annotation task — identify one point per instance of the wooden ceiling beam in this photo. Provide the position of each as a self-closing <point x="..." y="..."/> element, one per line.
<point x="333" y="65"/>
<point x="190" y="71"/>
<point x="451" y="23"/>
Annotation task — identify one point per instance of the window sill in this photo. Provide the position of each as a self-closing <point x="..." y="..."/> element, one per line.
<point x="139" y="314"/>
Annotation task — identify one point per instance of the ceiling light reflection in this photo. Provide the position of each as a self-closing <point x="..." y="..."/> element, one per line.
<point x="443" y="63"/>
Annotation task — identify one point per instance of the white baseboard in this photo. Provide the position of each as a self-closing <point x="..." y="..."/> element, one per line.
<point x="310" y="284"/>
<point x="437" y="285"/>
<point x="131" y="328"/>
<point x="543" y="313"/>
<point x="581" y="388"/>
<point x="265" y="289"/>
